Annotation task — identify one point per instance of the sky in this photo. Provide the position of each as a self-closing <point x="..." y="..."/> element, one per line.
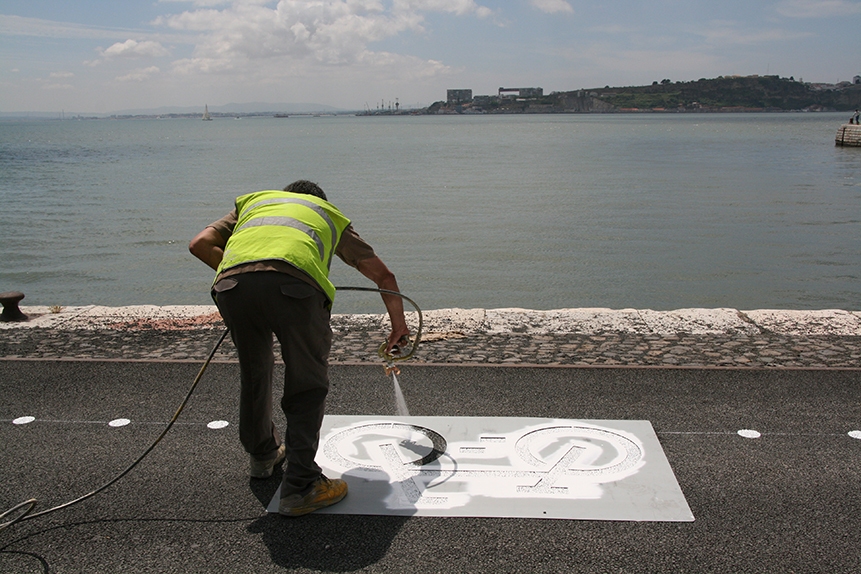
<point x="104" y="56"/>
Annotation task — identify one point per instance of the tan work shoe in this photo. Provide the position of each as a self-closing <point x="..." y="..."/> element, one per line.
<point x="323" y="492"/>
<point x="264" y="468"/>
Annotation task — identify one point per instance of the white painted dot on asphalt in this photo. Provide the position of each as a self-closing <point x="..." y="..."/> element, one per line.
<point x="748" y="433"/>
<point x="119" y="422"/>
<point x="23" y="420"/>
<point x="855" y="434"/>
<point x="218" y="424"/>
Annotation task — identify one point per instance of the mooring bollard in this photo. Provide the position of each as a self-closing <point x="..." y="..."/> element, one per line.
<point x="11" y="312"/>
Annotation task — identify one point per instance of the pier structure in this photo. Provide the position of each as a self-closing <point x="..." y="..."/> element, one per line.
<point x="848" y="135"/>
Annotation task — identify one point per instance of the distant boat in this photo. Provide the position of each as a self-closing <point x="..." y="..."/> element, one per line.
<point x="206" y="116"/>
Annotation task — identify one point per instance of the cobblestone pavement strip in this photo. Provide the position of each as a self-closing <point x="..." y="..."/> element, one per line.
<point x="575" y="337"/>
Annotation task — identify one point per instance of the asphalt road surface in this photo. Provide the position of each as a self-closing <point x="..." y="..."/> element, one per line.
<point x="788" y="501"/>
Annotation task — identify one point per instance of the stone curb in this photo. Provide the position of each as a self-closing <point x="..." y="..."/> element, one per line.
<point x="724" y="321"/>
<point x="567" y="337"/>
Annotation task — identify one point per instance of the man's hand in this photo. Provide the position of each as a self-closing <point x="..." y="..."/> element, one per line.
<point x="399" y="340"/>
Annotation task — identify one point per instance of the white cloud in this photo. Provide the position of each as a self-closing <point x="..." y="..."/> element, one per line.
<point x="207" y="3"/>
<point x="552" y="6"/>
<point x="331" y="32"/>
<point x="284" y="46"/>
<point x="330" y="47"/>
<point x="58" y="75"/>
<point x="23" y="26"/>
<point x="634" y="62"/>
<point x="134" y="49"/>
<point x="613" y="29"/>
<point x="139" y="75"/>
<point x="58" y="87"/>
<point x="818" y="8"/>
<point x="732" y="33"/>
<point x="459" y="7"/>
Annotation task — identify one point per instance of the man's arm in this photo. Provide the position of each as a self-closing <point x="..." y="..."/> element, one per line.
<point x="374" y="269"/>
<point x="208" y="246"/>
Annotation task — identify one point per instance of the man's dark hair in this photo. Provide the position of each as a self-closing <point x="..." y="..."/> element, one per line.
<point x="306" y="187"/>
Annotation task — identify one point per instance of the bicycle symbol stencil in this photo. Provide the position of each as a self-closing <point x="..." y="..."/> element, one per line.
<point x="500" y="466"/>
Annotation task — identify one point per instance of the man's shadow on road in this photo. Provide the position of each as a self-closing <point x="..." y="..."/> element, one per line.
<point x="324" y="542"/>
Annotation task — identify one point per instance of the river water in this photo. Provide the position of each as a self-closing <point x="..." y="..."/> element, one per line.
<point x="658" y="211"/>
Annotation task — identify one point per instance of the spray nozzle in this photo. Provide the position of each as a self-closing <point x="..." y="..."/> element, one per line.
<point x="390" y="369"/>
<point x="395" y="355"/>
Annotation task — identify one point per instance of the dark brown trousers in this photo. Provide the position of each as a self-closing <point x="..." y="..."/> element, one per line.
<point x="255" y="306"/>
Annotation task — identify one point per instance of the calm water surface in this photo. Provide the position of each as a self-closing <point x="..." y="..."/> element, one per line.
<point x="551" y="211"/>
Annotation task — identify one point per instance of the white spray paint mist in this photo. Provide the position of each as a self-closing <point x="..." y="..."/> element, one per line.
<point x="400" y="403"/>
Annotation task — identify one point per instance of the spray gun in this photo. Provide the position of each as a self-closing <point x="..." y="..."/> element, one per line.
<point x="397" y="353"/>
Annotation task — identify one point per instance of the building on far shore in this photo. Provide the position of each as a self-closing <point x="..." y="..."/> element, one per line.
<point x="461" y="97"/>
<point x="458" y="96"/>
<point x="520" y="93"/>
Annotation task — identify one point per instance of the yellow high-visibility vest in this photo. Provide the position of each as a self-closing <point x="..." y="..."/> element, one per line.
<point x="302" y="230"/>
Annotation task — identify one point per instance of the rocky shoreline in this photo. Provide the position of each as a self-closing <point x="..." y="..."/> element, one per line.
<point x="728" y="338"/>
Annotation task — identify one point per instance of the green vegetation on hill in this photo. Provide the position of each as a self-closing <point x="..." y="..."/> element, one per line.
<point x="730" y="93"/>
<point x="756" y="92"/>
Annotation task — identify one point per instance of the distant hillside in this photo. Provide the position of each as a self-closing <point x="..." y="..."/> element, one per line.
<point x="758" y="92"/>
<point x="752" y="93"/>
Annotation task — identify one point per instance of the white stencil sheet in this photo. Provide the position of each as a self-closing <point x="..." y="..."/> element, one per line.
<point x="499" y="467"/>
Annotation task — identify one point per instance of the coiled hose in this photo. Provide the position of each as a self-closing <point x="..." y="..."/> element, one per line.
<point x="29" y="505"/>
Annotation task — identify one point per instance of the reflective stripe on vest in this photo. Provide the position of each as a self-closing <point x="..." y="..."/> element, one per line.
<point x="301" y="230"/>
<point x="296" y="224"/>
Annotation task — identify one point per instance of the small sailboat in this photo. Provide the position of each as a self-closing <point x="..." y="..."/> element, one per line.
<point x="206" y="116"/>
